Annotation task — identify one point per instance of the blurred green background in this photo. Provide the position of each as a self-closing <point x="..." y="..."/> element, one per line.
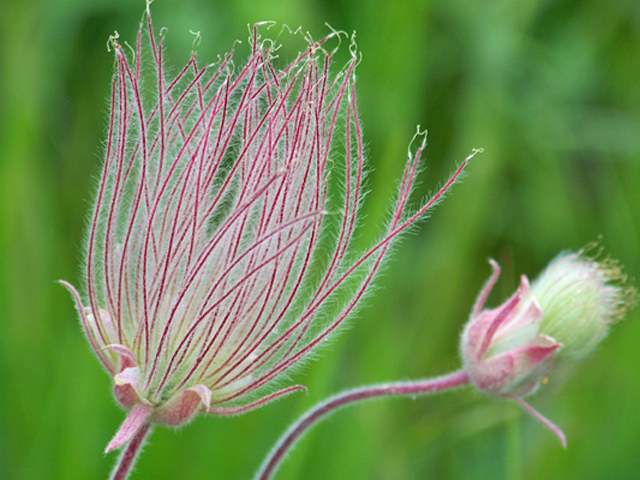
<point x="550" y="90"/>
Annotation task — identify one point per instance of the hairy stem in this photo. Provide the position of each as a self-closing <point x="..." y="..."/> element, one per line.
<point x="278" y="453"/>
<point x="131" y="451"/>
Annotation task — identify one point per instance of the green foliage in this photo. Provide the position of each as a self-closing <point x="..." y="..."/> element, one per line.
<point x="550" y="90"/>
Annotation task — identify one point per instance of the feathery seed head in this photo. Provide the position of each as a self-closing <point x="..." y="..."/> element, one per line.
<point x="209" y="270"/>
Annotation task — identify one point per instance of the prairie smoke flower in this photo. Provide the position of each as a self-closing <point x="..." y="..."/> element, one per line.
<point x="213" y="265"/>
<point x="508" y="351"/>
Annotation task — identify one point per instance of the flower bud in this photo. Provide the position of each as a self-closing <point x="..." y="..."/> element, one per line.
<point x="563" y="315"/>
<point x="503" y="351"/>
<point x="507" y="351"/>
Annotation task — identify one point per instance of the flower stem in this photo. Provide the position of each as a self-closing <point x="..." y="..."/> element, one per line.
<point x="420" y="387"/>
<point x="131" y="451"/>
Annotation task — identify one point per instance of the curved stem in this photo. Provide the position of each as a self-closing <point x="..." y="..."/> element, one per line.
<point x="131" y="451"/>
<point x="278" y="453"/>
<point x="545" y="421"/>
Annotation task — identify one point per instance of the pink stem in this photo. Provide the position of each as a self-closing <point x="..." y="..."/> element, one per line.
<point x="128" y="457"/>
<point x="545" y="421"/>
<point x="278" y="453"/>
